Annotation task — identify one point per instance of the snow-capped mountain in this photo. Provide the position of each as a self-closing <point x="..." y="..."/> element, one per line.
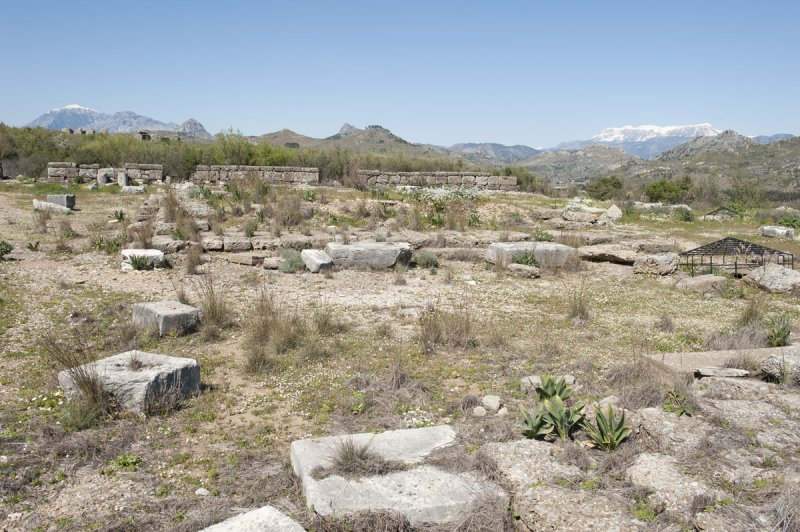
<point x="647" y="132"/>
<point x="75" y="116"/>
<point x="646" y="141"/>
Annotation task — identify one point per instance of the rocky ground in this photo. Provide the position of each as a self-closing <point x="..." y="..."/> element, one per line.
<point x="719" y="453"/>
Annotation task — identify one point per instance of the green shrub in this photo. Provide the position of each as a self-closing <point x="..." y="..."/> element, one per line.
<point x="778" y="332"/>
<point x="684" y="215"/>
<point x="5" y="249"/>
<point x="565" y="419"/>
<point x="789" y="221"/>
<point x="605" y="188"/>
<point x="663" y="190"/>
<point x="527" y="258"/>
<point x="427" y="260"/>
<point x="140" y="262"/>
<point x="535" y="424"/>
<point x="552" y="387"/>
<point x="606" y="433"/>
<point x="32" y="246"/>
<point x="292" y="261"/>
<point x="119" y="215"/>
<point x="677" y="403"/>
<point x="542" y="236"/>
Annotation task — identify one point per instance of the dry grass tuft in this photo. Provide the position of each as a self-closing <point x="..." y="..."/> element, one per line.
<point x="366" y="521"/>
<point x="451" y="328"/>
<point x="355" y="460"/>
<point x="487" y="513"/>
<point x="40" y="219"/>
<point x="645" y="383"/>
<point x="194" y="258"/>
<point x="215" y="306"/>
<point x="786" y="510"/>
<point x="143" y="234"/>
<point x="749" y="336"/>
<point x="272" y="331"/>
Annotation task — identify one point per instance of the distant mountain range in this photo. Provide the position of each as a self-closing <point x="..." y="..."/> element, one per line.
<point x="76" y="117"/>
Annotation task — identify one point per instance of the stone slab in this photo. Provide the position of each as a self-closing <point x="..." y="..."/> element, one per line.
<point x="266" y="519"/>
<point x="137" y="378"/>
<point x="424" y="494"/>
<point x="720" y="372"/>
<point x="65" y="200"/>
<point x="688" y="361"/>
<point x="235" y="244"/>
<point x="167" y="317"/>
<point x="369" y="255"/>
<point x="245" y="259"/>
<point x="608" y="253"/>
<point x="137" y="189"/>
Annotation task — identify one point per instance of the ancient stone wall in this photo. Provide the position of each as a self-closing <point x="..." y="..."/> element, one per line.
<point x="288" y="175"/>
<point x="474" y="180"/>
<point x="61" y="172"/>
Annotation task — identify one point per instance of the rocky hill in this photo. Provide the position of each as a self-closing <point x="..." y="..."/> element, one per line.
<point x="493" y="154"/>
<point x="565" y="166"/>
<point x="75" y="117"/>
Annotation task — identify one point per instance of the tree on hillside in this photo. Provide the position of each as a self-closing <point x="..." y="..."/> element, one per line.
<point x="663" y="190"/>
<point x="605" y="188"/>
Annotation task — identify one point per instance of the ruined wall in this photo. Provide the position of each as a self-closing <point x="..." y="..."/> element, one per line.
<point x="474" y="180"/>
<point x="273" y="174"/>
<point x="61" y="172"/>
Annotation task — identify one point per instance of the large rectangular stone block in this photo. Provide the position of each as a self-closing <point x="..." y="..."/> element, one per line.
<point x="167" y="317"/>
<point x="137" y="380"/>
<point x="64" y="200"/>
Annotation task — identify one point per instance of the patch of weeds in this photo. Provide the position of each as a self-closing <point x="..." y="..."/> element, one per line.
<point x="215" y="306"/>
<point x="124" y="462"/>
<point x="6" y="248"/>
<point x="451" y="328"/>
<point x="292" y="261"/>
<point x="778" y="331"/>
<point x="140" y="262"/>
<point x="162" y="491"/>
<point x="590" y="484"/>
<point x="527" y="259"/>
<point x="426" y="259"/>
<point x="677" y="403"/>
<point x="272" y="331"/>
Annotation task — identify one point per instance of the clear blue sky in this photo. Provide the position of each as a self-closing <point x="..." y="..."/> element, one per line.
<point x="441" y="72"/>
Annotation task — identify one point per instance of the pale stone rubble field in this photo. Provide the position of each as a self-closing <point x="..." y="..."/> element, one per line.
<point x="425" y="321"/>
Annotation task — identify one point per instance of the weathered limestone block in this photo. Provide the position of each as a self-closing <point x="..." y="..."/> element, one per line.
<point x="661" y="264"/>
<point x="138" y="189"/>
<point x="777" y="231"/>
<point x="782" y="367"/>
<point x="106" y="175"/>
<point x="265" y="519"/>
<point x="213" y="243"/>
<point x="237" y="243"/>
<point x="316" y="260"/>
<point x="774" y="278"/>
<point x="424" y="494"/>
<point x="608" y="253"/>
<point x="167" y="244"/>
<point x="138" y="379"/>
<point x="166" y="317"/>
<point x="245" y="259"/>
<point x="369" y="255"/>
<point x="51" y="207"/>
<point x="523" y="270"/>
<point x="155" y="257"/>
<point x="547" y="254"/>
<point x="672" y="489"/>
<point x="702" y="284"/>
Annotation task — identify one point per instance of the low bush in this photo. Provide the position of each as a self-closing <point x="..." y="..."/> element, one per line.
<point x="292" y="261"/>
<point x="778" y="332"/>
<point x="451" y="328"/>
<point x="194" y="258"/>
<point x="428" y="260"/>
<point x="272" y="331"/>
<point x="214" y="305"/>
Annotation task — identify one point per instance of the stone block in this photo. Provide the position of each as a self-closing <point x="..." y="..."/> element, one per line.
<point x="213" y="243"/>
<point x="64" y="200"/>
<point x="777" y="231"/>
<point x="235" y="244"/>
<point x="167" y="317"/>
<point x="660" y="264"/>
<point x="316" y="260"/>
<point x="51" y="207"/>
<point x="369" y="255"/>
<point x="155" y="257"/>
<point x="138" y="189"/>
<point x="702" y="284"/>
<point x="137" y="379"/>
<point x="245" y="259"/>
<point x="547" y="254"/>
<point x="266" y="519"/>
<point x="424" y="494"/>
<point x="167" y="244"/>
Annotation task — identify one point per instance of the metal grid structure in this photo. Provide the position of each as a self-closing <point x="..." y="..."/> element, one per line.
<point x="734" y="255"/>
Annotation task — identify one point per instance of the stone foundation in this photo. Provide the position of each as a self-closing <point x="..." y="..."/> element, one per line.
<point x="286" y="175"/>
<point x="473" y="180"/>
<point x="63" y="172"/>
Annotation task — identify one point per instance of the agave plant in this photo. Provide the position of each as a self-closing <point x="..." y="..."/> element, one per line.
<point x="552" y="387"/>
<point x="607" y="433"/>
<point x="535" y="424"/>
<point x="565" y="419"/>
